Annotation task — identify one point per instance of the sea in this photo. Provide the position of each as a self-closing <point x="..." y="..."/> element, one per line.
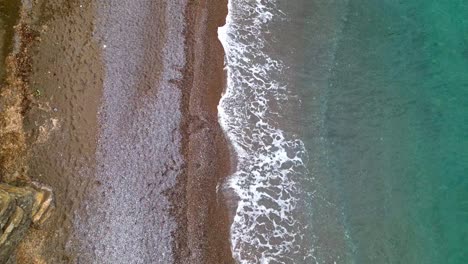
<point x="349" y="123"/>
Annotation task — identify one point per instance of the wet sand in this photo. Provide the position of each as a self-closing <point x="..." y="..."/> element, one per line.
<point x="62" y="124"/>
<point x="124" y="128"/>
<point x="206" y="149"/>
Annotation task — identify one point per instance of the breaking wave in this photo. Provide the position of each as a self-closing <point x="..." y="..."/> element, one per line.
<point x="266" y="226"/>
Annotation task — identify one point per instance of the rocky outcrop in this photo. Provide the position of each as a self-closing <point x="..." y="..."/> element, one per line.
<point x="20" y="208"/>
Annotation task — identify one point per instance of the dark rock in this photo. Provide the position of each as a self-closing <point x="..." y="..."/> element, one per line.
<point x="21" y="207"/>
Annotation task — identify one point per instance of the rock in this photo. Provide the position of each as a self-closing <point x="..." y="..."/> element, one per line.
<point x="6" y="209"/>
<point x="21" y="207"/>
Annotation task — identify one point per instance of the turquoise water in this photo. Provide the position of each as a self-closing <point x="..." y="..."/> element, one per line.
<point x="396" y="121"/>
<point x="350" y="123"/>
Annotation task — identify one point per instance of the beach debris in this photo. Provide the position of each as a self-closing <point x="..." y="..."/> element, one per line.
<point x="37" y="93"/>
<point x="45" y="130"/>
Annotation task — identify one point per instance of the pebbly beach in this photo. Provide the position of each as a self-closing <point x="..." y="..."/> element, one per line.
<point x="122" y="126"/>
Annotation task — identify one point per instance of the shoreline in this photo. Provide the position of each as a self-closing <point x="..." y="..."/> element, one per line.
<point x="205" y="148"/>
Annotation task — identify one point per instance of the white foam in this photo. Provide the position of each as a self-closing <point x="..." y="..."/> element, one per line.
<point x="265" y="227"/>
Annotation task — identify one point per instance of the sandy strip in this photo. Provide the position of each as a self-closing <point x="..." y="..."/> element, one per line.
<point x="206" y="239"/>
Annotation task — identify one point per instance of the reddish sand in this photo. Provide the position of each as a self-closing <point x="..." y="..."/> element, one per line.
<point x="203" y="235"/>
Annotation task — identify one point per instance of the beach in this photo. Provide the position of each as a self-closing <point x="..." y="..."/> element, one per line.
<point x="207" y="150"/>
<point x="240" y="131"/>
<point x="123" y="127"/>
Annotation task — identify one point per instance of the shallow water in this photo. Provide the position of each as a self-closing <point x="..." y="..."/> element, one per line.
<point x="264" y="229"/>
<point x="349" y="119"/>
<point x="278" y="190"/>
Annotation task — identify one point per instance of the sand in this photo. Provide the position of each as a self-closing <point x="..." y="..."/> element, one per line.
<point x="206" y="148"/>
<point x="126" y="132"/>
<point x="62" y="124"/>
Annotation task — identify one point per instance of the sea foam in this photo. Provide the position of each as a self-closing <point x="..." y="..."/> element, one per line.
<point x="266" y="226"/>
